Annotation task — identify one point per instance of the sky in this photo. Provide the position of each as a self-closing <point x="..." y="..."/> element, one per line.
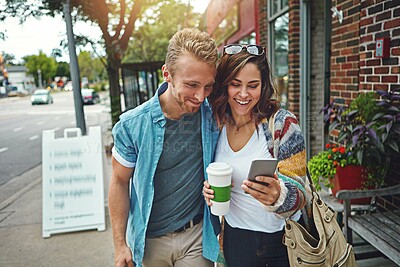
<point x="47" y="33"/>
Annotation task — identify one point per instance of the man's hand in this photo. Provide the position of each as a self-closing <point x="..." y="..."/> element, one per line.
<point x="123" y="257"/>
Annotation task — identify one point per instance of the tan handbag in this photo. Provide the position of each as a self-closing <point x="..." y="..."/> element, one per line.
<point x="329" y="250"/>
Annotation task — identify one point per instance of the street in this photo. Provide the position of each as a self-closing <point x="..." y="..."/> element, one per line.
<point x="21" y="126"/>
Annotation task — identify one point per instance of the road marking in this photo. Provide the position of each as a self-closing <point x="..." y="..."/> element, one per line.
<point x="60" y="112"/>
<point x="18" y="129"/>
<point x="72" y="122"/>
<point x="3" y="149"/>
<point x="40" y="123"/>
<point x="33" y="137"/>
<point x="56" y="129"/>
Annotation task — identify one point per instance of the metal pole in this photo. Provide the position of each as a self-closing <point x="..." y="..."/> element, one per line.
<point x="305" y="39"/>
<point x="40" y="78"/>
<point x="74" y="69"/>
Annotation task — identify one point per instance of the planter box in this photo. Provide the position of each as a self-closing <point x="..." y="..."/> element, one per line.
<point x="350" y="178"/>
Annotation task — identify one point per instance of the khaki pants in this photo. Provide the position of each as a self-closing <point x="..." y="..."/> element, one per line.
<point x="176" y="249"/>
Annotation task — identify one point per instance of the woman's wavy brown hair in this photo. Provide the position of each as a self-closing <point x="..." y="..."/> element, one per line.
<point x="228" y="69"/>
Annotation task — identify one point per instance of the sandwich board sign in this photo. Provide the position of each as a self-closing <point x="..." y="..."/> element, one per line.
<point x="72" y="186"/>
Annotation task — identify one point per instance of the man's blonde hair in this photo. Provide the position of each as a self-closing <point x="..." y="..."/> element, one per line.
<point x="193" y="42"/>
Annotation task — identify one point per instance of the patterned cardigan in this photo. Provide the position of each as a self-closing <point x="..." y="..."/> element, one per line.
<point x="287" y="145"/>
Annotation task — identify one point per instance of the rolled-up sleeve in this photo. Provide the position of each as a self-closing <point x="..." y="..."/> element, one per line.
<point x="124" y="150"/>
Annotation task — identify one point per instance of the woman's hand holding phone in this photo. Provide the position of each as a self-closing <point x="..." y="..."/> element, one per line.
<point x="266" y="192"/>
<point x="262" y="182"/>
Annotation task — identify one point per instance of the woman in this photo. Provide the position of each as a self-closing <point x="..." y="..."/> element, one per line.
<point x="242" y="105"/>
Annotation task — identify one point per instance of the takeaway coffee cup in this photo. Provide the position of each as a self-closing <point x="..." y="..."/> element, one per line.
<point x="220" y="179"/>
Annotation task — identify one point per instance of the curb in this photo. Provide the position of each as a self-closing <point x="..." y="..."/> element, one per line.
<point x="19" y="193"/>
<point x="19" y="185"/>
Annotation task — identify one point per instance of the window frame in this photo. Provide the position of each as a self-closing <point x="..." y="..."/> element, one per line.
<point x="281" y="10"/>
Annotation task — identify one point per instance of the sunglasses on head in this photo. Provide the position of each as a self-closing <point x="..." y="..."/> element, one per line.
<point x="237" y="48"/>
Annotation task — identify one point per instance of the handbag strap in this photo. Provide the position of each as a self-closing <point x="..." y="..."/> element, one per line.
<point x="310" y="181"/>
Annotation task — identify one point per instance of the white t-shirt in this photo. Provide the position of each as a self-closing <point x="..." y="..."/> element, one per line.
<point x="246" y="212"/>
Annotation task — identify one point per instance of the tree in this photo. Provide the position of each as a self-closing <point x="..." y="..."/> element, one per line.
<point x="63" y="70"/>
<point x="90" y="67"/>
<point x="8" y="59"/>
<point x="157" y="25"/>
<point x="116" y="20"/>
<point x="47" y="66"/>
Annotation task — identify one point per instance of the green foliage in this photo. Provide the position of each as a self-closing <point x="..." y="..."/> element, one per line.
<point x="366" y="106"/>
<point x="357" y="130"/>
<point x="389" y="120"/>
<point x="157" y="25"/>
<point x="8" y="59"/>
<point x="369" y="129"/>
<point x="91" y="67"/>
<point x="47" y="66"/>
<point x="63" y="70"/>
<point x="322" y="167"/>
<point x="116" y="19"/>
<point x="99" y="86"/>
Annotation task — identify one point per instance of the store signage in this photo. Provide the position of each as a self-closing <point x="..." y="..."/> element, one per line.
<point x="72" y="186"/>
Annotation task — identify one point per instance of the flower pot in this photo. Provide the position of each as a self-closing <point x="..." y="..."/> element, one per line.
<point x="350" y="177"/>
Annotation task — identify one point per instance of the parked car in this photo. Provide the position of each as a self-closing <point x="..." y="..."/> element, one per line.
<point x="12" y="90"/>
<point x="89" y="96"/>
<point x="41" y="96"/>
<point x="68" y="86"/>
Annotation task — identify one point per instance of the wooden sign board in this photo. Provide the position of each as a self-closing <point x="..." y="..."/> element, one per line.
<point x="73" y="189"/>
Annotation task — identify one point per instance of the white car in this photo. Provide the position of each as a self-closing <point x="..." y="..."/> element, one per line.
<point x="41" y="96"/>
<point x="68" y="86"/>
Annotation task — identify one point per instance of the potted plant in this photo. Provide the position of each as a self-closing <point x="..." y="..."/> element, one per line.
<point x="367" y="132"/>
<point x="388" y="120"/>
<point x="325" y="164"/>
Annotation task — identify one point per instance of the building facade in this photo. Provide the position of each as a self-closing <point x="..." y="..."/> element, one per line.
<point x="18" y="76"/>
<point x="319" y="50"/>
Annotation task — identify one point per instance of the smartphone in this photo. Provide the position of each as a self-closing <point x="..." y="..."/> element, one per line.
<point x="264" y="167"/>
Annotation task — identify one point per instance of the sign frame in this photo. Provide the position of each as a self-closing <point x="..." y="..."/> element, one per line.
<point x="72" y="181"/>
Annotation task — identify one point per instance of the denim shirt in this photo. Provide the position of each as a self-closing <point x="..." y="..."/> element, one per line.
<point x="138" y="143"/>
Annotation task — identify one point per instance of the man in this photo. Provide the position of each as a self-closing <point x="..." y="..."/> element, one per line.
<point x="163" y="147"/>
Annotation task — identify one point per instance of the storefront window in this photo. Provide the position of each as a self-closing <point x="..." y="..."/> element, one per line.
<point x="280" y="56"/>
<point x="274" y="7"/>
<point x="249" y="39"/>
<point x="279" y="48"/>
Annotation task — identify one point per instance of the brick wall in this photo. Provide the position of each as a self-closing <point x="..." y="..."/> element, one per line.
<point x="345" y="51"/>
<point x="379" y="19"/>
<point x="263" y="21"/>
<point x="354" y="67"/>
<point x="294" y="57"/>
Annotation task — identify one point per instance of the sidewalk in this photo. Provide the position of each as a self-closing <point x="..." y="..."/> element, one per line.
<point x="21" y="228"/>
